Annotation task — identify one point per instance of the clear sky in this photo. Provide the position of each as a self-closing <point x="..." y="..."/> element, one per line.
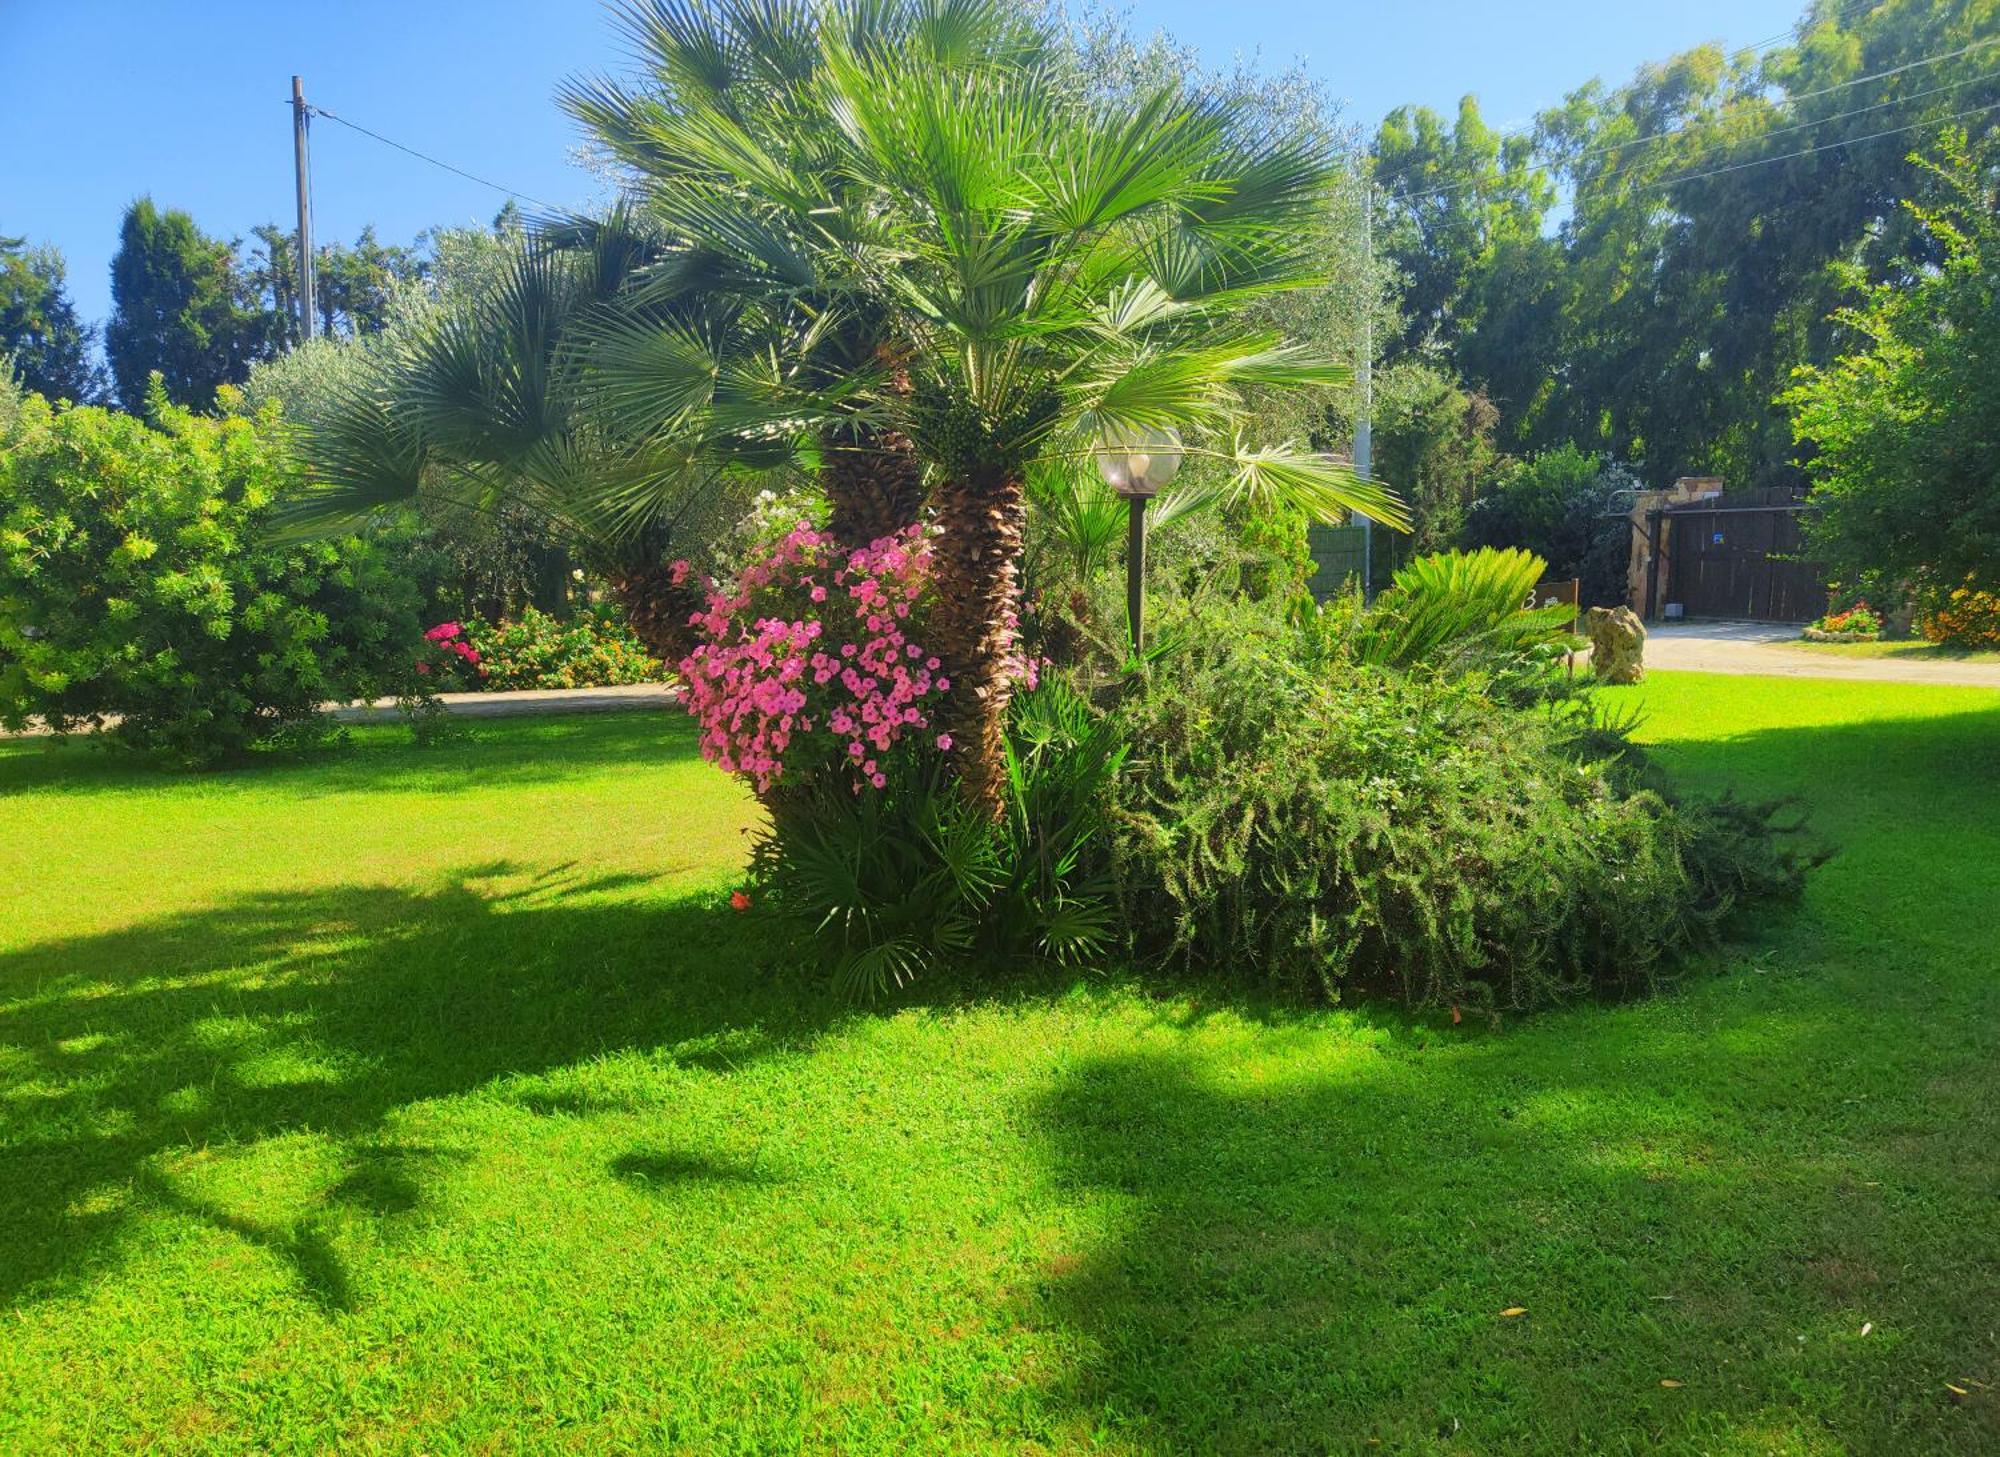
<point x="189" y="99"/>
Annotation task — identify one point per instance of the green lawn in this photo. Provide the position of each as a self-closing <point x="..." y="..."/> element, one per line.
<point x="436" y="1101"/>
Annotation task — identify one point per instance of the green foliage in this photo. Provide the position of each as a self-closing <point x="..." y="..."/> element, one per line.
<point x="1434" y="439"/>
<point x="354" y="288"/>
<point x="179" y="309"/>
<point x="1325" y="825"/>
<point x="893" y="884"/>
<point x="1456" y="607"/>
<point x="139" y="583"/>
<point x="1463" y="227"/>
<point x="39" y="328"/>
<point x="1558" y="505"/>
<point x="1709" y="195"/>
<point x="1906" y="431"/>
<point x="591" y="649"/>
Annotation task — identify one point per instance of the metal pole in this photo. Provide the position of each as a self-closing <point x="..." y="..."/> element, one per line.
<point x="1135" y="570"/>
<point x="300" y="120"/>
<point x="1653" y="520"/>
<point x="1364" y="425"/>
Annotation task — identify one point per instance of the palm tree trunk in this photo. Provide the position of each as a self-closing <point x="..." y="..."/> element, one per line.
<point x="874" y="486"/>
<point x="978" y="555"/>
<point x="658" y="609"/>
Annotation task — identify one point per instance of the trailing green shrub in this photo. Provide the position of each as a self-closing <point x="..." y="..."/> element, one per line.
<point x="891" y="880"/>
<point x="1343" y="826"/>
<point x="139" y="585"/>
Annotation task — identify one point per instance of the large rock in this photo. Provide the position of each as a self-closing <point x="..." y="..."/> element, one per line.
<point x="1617" y="644"/>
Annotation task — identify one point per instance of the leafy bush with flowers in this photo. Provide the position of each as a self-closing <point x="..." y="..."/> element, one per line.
<point x="593" y="648"/>
<point x="1859" y="623"/>
<point x="446" y="652"/>
<point x="1963" y="617"/>
<point x="813" y="662"/>
<point x="813" y="682"/>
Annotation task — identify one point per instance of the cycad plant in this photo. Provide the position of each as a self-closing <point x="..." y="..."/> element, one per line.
<point x="1024" y="273"/>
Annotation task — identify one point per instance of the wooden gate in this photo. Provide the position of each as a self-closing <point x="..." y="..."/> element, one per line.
<point x="1741" y="554"/>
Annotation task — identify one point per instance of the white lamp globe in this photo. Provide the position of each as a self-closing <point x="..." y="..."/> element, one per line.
<point x="1141" y="463"/>
<point x="1162" y="457"/>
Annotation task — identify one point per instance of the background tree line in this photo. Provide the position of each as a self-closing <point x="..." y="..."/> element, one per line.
<point x="199" y="309"/>
<point x="1640" y="273"/>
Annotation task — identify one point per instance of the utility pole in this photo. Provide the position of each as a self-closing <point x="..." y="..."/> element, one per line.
<point x="300" y="120"/>
<point x="1364" y="425"/>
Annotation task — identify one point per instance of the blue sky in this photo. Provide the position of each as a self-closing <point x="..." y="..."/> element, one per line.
<point x="109" y="99"/>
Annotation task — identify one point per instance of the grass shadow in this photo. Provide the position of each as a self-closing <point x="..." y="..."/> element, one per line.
<point x="1717" y="1190"/>
<point x="535" y="750"/>
<point x="659" y="1171"/>
<point x="326" y="1013"/>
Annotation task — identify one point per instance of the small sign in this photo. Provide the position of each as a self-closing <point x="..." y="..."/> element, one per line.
<point x="1715" y="539"/>
<point x="1557" y="594"/>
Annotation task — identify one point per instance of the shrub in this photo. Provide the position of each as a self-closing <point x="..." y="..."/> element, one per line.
<point x="1349" y="827"/>
<point x="141" y="585"/>
<point x="1555" y="505"/>
<point x="893" y="879"/>
<point x="1858" y="623"/>
<point x="1961" y="618"/>
<point x="1454" y="607"/>
<point x="595" y="648"/>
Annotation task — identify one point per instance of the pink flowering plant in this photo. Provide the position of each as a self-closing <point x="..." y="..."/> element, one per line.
<point x="447" y="652"/>
<point x="813" y="661"/>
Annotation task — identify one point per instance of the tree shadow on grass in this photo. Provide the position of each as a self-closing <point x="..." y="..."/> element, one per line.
<point x="661" y="1171"/>
<point x="323" y="1014"/>
<point x="1717" y="1189"/>
<point x="529" y="750"/>
<point x="1307" y="1266"/>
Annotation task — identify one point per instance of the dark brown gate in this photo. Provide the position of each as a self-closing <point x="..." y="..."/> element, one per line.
<point x="1741" y="554"/>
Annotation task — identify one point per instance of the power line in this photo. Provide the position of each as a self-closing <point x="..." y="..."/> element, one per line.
<point x="1674" y="131"/>
<point x="1779" y="131"/>
<point x="426" y="157"/>
<point x="1825" y="146"/>
<point x="1823" y="91"/>
<point x="1847" y="14"/>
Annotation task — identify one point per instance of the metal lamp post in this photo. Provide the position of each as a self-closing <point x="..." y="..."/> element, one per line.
<point x="1136" y="467"/>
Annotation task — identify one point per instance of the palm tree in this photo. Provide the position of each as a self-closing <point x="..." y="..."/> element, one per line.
<point x="749" y="76"/>
<point x="489" y="403"/>
<point x="1037" y="273"/>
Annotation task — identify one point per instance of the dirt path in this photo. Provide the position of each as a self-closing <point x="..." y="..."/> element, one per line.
<point x="528" y="701"/>
<point x="1774" y="648"/>
<point x="498" y="705"/>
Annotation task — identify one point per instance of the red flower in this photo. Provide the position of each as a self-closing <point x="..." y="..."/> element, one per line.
<point x="739" y="901"/>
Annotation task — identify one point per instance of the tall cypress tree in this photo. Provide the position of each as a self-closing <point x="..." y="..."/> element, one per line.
<point x="177" y="307"/>
<point x="39" y="329"/>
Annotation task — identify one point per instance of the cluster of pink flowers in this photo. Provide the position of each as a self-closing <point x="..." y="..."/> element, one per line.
<point x="809" y="659"/>
<point x="449" y="637"/>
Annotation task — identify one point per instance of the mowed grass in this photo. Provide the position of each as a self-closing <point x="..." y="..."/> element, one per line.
<point x="436" y="1101"/>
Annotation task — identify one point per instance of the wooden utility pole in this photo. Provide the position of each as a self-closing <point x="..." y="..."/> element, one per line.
<point x="300" y="118"/>
<point x="1364" y="424"/>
